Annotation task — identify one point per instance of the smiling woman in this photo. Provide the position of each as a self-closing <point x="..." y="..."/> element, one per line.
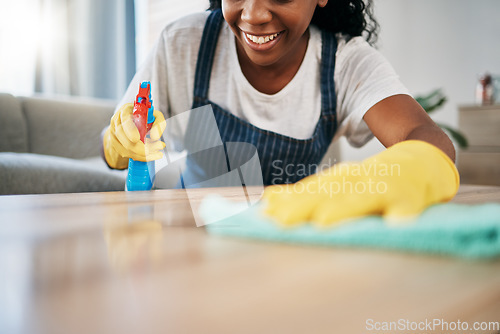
<point x="289" y="78"/>
<point x="267" y="69"/>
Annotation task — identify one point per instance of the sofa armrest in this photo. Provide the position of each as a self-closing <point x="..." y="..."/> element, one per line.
<point x="28" y="173"/>
<point x="66" y="127"/>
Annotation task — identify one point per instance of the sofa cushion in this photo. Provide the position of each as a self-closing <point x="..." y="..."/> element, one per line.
<point x="68" y="128"/>
<point x="27" y="173"/>
<point x="13" y="135"/>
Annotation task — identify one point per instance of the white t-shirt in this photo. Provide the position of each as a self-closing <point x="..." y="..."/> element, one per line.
<point x="362" y="78"/>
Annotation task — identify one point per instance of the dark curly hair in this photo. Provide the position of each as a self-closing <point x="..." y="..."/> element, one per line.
<point x="351" y="17"/>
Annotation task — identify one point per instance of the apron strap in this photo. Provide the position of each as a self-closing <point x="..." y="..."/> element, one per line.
<point x="206" y="54"/>
<point x="328" y="96"/>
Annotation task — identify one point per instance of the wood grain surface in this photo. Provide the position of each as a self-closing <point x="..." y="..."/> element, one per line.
<point x="136" y="263"/>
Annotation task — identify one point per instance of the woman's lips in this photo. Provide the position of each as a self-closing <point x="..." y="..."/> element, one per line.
<point x="261" y="42"/>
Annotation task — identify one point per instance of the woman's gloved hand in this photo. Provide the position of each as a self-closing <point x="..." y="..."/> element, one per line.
<point x="121" y="139"/>
<point x="397" y="183"/>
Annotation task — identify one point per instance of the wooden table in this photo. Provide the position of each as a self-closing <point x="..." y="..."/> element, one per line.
<point x="136" y="263"/>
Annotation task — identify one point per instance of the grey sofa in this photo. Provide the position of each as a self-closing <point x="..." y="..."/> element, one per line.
<point x="53" y="146"/>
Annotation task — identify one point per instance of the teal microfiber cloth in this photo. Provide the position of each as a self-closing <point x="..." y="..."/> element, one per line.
<point x="468" y="231"/>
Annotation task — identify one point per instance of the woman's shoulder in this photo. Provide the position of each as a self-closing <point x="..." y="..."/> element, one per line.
<point x="347" y="43"/>
<point x="355" y="52"/>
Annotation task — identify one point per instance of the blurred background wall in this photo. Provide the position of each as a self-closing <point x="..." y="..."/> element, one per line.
<point x="437" y="44"/>
<point x="67" y="47"/>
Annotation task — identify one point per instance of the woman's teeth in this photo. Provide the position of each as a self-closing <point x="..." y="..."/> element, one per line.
<point x="261" y="39"/>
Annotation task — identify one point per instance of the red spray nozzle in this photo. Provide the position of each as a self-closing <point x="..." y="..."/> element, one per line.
<point x="141" y="106"/>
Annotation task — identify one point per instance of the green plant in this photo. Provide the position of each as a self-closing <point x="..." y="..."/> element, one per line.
<point x="435" y="100"/>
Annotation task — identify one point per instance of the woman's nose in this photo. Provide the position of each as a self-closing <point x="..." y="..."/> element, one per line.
<point x="256" y="12"/>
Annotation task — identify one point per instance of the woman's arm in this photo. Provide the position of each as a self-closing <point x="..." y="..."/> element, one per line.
<point x="400" y="117"/>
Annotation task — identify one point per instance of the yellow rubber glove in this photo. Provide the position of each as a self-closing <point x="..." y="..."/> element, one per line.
<point x="398" y="183"/>
<point x="121" y="140"/>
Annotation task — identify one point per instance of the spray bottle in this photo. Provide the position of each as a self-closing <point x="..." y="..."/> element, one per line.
<point x="141" y="174"/>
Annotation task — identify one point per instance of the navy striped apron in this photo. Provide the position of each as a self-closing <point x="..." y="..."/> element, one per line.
<point x="283" y="159"/>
